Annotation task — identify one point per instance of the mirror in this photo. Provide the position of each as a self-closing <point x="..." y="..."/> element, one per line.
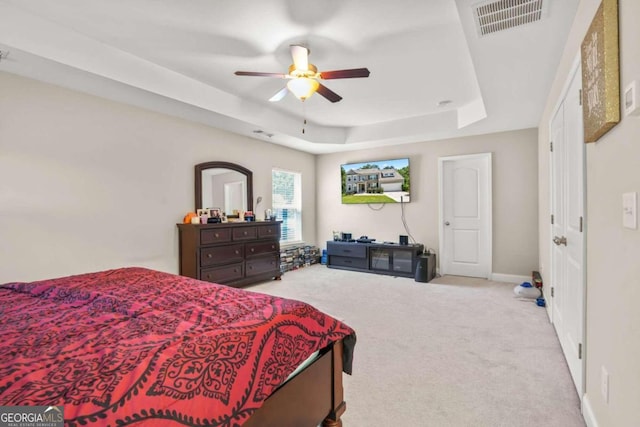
<point x="224" y="185"/>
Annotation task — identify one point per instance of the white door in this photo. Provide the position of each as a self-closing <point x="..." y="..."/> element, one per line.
<point x="567" y="230"/>
<point x="465" y="215"/>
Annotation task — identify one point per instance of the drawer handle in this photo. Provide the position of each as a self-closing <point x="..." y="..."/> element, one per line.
<point x="269" y="230"/>
<point x="273" y="246"/>
<point x="253" y="250"/>
<point x="237" y="252"/>
<point x="250" y="267"/>
<point x="235" y="270"/>
<point x="216" y="235"/>
<point x="245" y="233"/>
<point x="208" y="276"/>
<point x="209" y="256"/>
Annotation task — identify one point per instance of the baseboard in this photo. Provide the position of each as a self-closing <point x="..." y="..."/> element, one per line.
<point x="587" y="412"/>
<point x="511" y="278"/>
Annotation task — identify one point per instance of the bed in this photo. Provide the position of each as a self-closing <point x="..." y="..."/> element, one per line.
<point x="134" y="346"/>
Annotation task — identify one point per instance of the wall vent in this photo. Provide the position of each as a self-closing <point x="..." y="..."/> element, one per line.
<point x="494" y="16"/>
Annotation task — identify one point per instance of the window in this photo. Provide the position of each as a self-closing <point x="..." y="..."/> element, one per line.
<point x="287" y="203"/>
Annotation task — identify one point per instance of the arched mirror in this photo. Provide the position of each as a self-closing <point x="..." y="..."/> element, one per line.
<point x="224" y="185"/>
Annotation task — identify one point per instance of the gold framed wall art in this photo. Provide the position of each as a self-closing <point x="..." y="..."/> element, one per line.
<point x="601" y="73"/>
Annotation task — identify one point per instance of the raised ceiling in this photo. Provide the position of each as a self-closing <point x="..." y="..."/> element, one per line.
<point x="433" y="75"/>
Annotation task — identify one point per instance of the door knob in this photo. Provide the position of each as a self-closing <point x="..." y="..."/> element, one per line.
<point x="560" y="240"/>
<point x="446" y="223"/>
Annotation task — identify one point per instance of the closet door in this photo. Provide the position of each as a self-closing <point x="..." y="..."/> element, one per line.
<point x="568" y="228"/>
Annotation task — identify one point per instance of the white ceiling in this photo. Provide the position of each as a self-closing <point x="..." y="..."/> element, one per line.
<point x="178" y="57"/>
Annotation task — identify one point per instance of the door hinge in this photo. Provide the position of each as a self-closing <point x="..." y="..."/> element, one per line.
<point x="552" y="292"/>
<point x="581" y="224"/>
<point x="580" y="351"/>
<point x="552" y="218"/>
<point x="580" y="97"/>
<point x="551" y="146"/>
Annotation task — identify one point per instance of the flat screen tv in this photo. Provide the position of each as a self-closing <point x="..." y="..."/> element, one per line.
<point x="379" y="181"/>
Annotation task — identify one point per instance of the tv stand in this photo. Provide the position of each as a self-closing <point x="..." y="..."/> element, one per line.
<point x="382" y="258"/>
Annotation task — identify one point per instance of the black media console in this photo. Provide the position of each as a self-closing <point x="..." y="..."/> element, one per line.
<point x="382" y="258"/>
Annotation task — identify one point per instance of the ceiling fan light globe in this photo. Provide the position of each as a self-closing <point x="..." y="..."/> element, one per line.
<point x="303" y="87"/>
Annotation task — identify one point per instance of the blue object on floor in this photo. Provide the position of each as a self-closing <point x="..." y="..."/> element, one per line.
<point x="541" y="302"/>
<point x="526" y="285"/>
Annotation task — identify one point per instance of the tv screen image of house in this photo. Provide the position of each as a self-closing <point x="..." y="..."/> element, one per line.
<point x="380" y="181"/>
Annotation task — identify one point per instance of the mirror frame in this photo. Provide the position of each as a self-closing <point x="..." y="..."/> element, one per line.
<point x="199" y="168"/>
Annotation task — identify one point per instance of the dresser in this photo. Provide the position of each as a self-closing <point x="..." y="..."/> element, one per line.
<point x="234" y="253"/>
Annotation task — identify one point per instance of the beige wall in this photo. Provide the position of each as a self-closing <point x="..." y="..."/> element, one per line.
<point x="613" y="270"/>
<point x="515" y="218"/>
<point x="89" y="184"/>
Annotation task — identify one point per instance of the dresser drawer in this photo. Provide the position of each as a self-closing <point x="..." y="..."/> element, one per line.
<point x="260" y="248"/>
<point x="354" y="250"/>
<point x="245" y="233"/>
<point x="215" y="235"/>
<point x="223" y="274"/>
<point x="262" y="265"/>
<point x="221" y="254"/>
<point x="341" y="261"/>
<point x="266" y="231"/>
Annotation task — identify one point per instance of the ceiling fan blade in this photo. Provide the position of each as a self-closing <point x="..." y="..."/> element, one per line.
<point x="345" y="74"/>
<point x="300" y="55"/>
<point x="328" y="93"/>
<point x="281" y="94"/>
<point x="253" y="73"/>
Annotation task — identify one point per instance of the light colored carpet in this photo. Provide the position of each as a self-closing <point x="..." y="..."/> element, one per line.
<point x="453" y="352"/>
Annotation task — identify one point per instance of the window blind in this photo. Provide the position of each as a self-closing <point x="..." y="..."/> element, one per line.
<point x="287" y="203"/>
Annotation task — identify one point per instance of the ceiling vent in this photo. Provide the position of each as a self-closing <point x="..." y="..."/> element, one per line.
<point x="261" y="132"/>
<point x="494" y="16"/>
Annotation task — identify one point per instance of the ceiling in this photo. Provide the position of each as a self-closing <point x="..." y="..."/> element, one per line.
<point x="179" y="58"/>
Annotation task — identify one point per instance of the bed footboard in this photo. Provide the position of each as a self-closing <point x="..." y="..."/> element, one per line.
<point x="314" y="395"/>
<point x="338" y="405"/>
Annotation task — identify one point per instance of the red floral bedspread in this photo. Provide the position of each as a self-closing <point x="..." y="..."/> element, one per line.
<point x="136" y="346"/>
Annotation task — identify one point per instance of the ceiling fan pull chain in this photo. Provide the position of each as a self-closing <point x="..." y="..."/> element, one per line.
<point x="304" y="117"/>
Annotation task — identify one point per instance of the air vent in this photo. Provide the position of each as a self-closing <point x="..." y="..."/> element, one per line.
<point x="261" y="132"/>
<point x="501" y="15"/>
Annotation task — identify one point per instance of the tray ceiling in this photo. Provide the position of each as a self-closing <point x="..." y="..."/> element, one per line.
<point x="432" y="75"/>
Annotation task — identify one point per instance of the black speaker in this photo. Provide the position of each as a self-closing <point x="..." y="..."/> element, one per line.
<point x="422" y="269"/>
<point x="426" y="268"/>
<point x="404" y="240"/>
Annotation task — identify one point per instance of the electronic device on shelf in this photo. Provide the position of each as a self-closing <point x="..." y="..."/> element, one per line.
<point x="365" y="239"/>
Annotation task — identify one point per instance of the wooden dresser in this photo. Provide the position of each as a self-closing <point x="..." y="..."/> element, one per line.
<point x="234" y="253"/>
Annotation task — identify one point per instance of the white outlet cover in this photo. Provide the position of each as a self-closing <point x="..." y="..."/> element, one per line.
<point x="629" y="210"/>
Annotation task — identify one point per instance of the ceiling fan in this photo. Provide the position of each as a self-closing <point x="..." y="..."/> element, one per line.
<point x="303" y="77"/>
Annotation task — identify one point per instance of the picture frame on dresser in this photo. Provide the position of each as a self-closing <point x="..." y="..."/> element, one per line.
<point x="215" y="212"/>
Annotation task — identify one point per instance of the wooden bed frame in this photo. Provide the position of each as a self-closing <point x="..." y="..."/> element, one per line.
<point x="312" y="397"/>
